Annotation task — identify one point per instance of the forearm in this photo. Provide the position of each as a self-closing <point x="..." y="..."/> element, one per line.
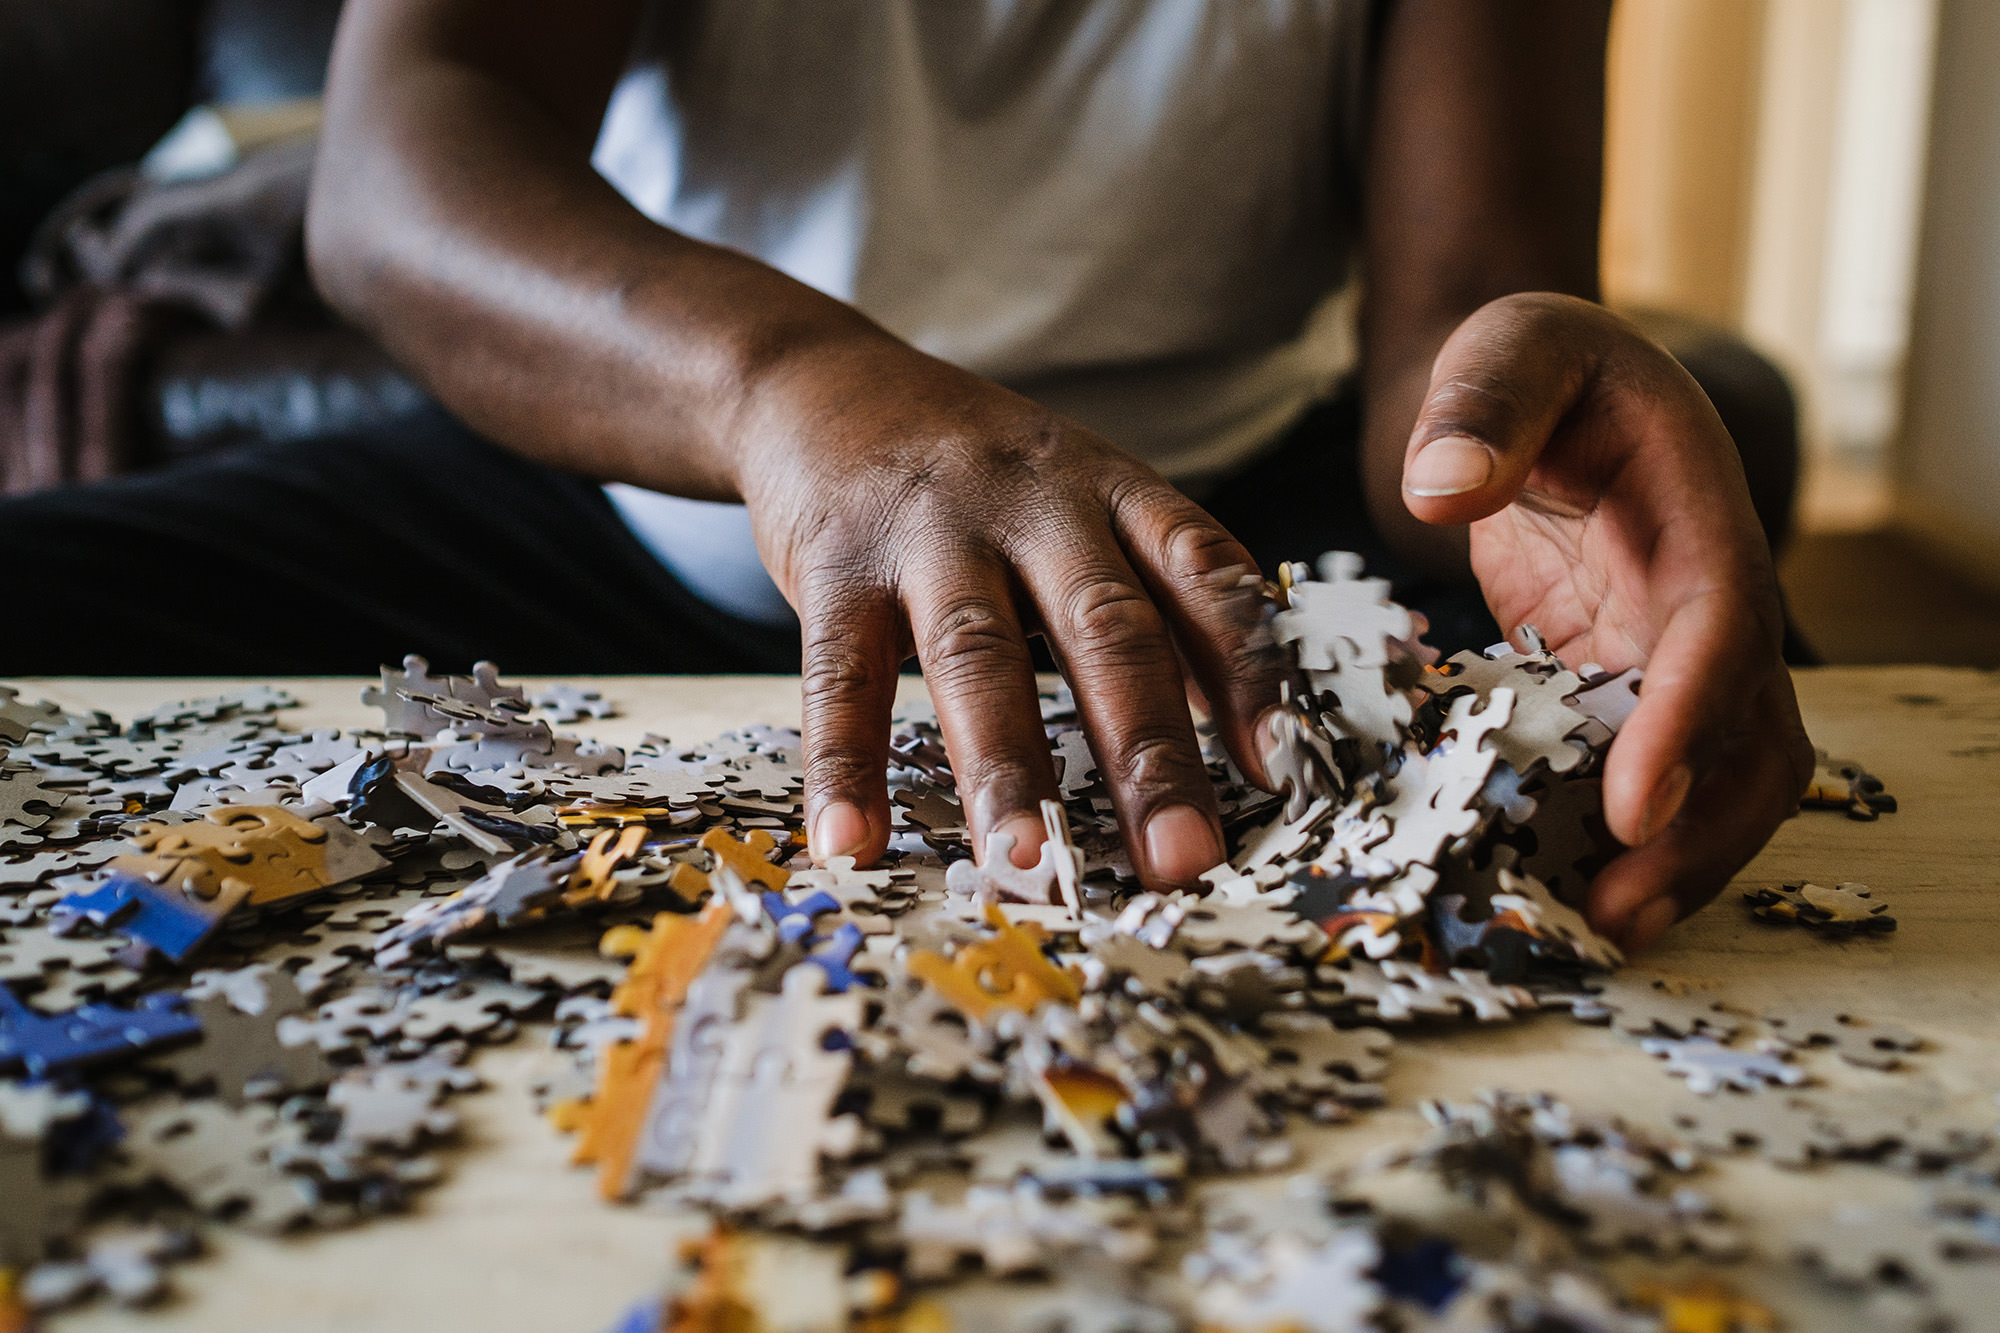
<point x="457" y="217"/>
<point x="1484" y="177"/>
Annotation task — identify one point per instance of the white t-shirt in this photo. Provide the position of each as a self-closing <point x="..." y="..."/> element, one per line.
<point x="1140" y="213"/>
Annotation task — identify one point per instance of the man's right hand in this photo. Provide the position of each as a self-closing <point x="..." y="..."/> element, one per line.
<point x="906" y="506"/>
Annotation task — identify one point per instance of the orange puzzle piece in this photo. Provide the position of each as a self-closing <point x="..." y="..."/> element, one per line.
<point x="750" y="859"/>
<point x="1007" y="970"/>
<point x="591" y="880"/>
<point x="665" y="960"/>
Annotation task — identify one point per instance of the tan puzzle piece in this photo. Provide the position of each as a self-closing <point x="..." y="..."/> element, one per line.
<point x="264" y="853"/>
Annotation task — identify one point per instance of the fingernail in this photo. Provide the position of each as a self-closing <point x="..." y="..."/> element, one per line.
<point x="1649" y="923"/>
<point x="839" y="830"/>
<point x="1028" y="834"/>
<point x="1266" y="735"/>
<point x="1664" y="803"/>
<point x="1451" y="465"/>
<point x="1180" y="844"/>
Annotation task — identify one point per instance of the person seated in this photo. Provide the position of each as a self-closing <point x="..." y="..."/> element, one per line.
<point x="820" y="336"/>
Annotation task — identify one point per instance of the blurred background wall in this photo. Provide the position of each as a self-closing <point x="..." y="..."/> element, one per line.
<point x="1946" y="472"/>
<point x="1822" y="177"/>
<point x="1764" y="171"/>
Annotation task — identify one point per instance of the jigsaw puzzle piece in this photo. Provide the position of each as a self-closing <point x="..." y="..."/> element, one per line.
<point x="154" y="915"/>
<point x="46" y="1044"/>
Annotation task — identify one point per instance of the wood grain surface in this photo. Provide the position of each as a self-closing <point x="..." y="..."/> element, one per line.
<point x="517" y="1240"/>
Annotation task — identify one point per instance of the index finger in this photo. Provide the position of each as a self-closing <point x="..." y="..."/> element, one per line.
<point x="1121" y="663"/>
<point x="852" y="642"/>
<point x="982" y="681"/>
<point x="1210" y="591"/>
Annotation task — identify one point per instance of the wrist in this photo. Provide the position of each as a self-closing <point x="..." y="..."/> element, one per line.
<point x="837" y="393"/>
<point x="723" y="334"/>
<point x="794" y="379"/>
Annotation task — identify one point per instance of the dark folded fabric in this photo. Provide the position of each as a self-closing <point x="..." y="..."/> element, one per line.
<point x="124" y="264"/>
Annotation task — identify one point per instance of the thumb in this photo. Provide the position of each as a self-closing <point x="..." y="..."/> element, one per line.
<point x="1500" y="386"/>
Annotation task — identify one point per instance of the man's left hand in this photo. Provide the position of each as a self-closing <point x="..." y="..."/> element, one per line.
<point x="1608" y="509"/>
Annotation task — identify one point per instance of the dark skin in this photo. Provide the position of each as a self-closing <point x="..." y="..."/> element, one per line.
<point x="908" y="507"/>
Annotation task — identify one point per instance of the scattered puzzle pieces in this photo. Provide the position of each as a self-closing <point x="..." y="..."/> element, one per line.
<point x="1845" y="909"/>
<point x="936" y="1088"/>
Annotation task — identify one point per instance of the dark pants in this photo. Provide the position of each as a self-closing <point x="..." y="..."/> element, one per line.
<point x="333" y="556"/>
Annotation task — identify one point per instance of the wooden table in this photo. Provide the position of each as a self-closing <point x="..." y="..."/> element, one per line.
<point x="515" y="1239"/>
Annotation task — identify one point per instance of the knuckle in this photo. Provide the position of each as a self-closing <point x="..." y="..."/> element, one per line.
<point x="973" y="643"/>
<point x="929" y="484"/>
<point x="930" y="469"/>
<point x="1474" y="403"/>
<point x="840" y="769"/>
<point x="837" y="670"/>
<point x="1535" y="310"/>
<point x="971" y="627"/>
<point x="1198" y="551"/>
<point x="1107" y="615"/>
<point x="1224" y="592"/>
<point x="1136" y="497"/>
<point x="1028" y="451"/>
<point x="1154" y="761"/>
<point x="1005" y="776"/>
<point x="841" y="554"/>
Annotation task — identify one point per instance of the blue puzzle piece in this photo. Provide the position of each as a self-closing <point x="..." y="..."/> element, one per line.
<point x="835" y="953"/>
<point x="74" y="1146"/>
<point x="795" y="920"/>
<point x="1428" y="1273"/>
<point x="144" y="911"/>
<point x="52" y="1043"/>
<point x="645" y="1317"/>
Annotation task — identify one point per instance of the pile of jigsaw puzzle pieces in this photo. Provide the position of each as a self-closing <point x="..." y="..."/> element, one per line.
<point x="246" y="972"/>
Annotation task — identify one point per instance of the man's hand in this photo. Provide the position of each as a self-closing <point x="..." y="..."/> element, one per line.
<point x="904" y="505"/>
<point x="1608" y="509"/>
